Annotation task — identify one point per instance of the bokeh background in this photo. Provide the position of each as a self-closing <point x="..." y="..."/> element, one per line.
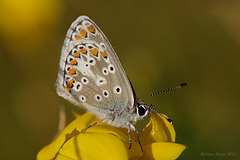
<point x="160" y="44"/>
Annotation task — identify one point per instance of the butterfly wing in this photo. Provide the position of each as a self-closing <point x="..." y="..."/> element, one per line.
<point x="90" y="73"/>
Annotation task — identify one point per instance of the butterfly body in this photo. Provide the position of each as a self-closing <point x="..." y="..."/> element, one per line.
<point x="91" y="76"/>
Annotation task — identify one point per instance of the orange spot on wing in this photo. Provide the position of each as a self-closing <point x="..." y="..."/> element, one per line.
<point x="103" y="54"/>
<point x="83" y="50"/>
<point x="77" y="54"/>
<point x="83" y="32"/>
<point x="72" y="71"/>
<point x="78" y="37"/>
<point x="94" y="51"/>
<point x="74" y="62"/>
<point x="68" y="90"/>
<point x="91" y="29"/>
<point x="70" y="83"/>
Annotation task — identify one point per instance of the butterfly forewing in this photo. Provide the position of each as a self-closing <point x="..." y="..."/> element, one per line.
<point x="90" y="74"/>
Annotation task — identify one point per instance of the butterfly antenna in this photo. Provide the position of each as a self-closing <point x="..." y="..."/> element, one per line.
<point x="168" y="89"/>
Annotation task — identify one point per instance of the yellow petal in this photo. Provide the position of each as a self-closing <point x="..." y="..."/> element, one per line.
<point x="62" y="157"/>
<point x="162" y="151"/>
<point x="94" y="146"/>
<point x="121" y="133"/>
<point x="74" y="131"/>
<point x="158" y="130"/>
<point x="50" y="151"/>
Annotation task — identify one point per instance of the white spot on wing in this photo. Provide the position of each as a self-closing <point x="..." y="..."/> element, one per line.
<point x="67" y="68"/>
<point x="105" y="71"/>
<point x="67" y="78"/>
<point x="102" y="45"/>
<point x="74" y="35"/>
<point x="80" y="47"/>
<point x="77" y="87"/>
<point x="105" y="93"/>
<point x="82" y="98"/>
<point x="111" y="68"/>
<point x="100" y="81"/>
<point x="117" y="90"/>
<point x="84" y="80"/>
<point x="98" y="97"/>
<point x="91" y="61"/>
<point x="74" y="50"/>
<point x="89" y="46"/>
<point x="78" y="28"/>
<point x="70" y="58"/>
<point x="85" y="70"/>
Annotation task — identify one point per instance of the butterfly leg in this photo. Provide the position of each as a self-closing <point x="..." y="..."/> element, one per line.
<point x="130" y="139"/>
<point x="131" y="127"/>
<point x="93" y="125"/>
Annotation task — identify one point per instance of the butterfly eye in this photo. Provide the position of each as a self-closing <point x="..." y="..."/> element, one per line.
<point x="142" y="111"/>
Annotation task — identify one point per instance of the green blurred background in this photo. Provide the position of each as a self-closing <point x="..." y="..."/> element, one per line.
<point x="160" y="44"/>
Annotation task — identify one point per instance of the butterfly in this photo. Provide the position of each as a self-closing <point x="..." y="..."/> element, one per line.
<point x="91" y="76"/>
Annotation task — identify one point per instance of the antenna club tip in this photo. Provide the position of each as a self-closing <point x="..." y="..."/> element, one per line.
<point x="183" y="84"/>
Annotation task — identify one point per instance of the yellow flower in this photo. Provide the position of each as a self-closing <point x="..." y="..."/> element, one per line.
<point x="106" y="142"/>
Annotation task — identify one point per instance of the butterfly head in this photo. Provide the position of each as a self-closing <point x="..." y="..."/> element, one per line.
<point x="142" y="110"/>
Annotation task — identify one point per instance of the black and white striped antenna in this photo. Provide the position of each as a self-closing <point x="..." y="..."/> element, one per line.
<point x="168" y="89"/>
